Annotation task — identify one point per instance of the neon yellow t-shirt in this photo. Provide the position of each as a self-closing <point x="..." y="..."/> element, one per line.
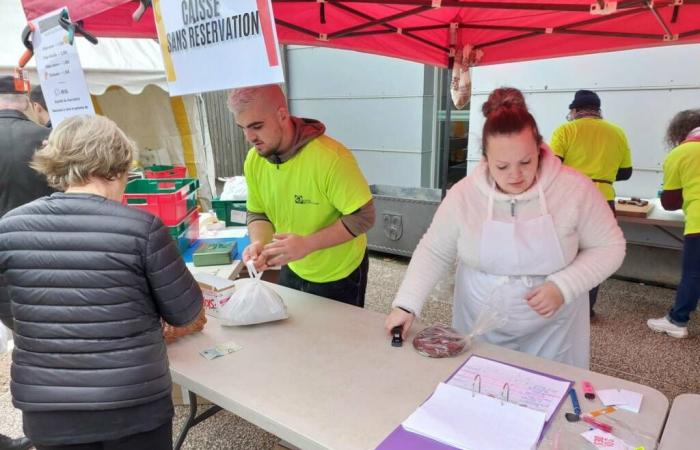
<point x="594" y="147"/>
<point x="682" y="171"/>
<point x="307" y="193"/>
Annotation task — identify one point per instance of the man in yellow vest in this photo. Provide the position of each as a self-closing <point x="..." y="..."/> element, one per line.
<point x="309" y="205"/>
<point x="594" y="147"/>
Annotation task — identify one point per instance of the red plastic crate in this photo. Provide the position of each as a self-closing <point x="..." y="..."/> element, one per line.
<point x="165" y="172"/>
<point x="171" y="200"/>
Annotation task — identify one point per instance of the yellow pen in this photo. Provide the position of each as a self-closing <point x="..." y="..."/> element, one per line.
<point x="600" y="412"/>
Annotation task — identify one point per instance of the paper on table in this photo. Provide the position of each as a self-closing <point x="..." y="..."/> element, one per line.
<point x="622" y="398"/>
<point x="605" y="441"/>
<point x="455" y="417"/>
<point x="527" y="388"/>
<point x="231" y="232"/>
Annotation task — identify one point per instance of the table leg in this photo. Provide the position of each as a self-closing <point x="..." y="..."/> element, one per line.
<point x="194" y="419"/>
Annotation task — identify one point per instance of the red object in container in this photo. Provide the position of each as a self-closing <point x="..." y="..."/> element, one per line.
<point x="171" y="200"/>
<point x="165" y="172"/>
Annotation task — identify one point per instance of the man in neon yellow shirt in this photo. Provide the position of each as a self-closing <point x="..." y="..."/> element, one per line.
<point x="594" y="147"/>
<point x="682" y="190"/>
<point x="309" y="206"/>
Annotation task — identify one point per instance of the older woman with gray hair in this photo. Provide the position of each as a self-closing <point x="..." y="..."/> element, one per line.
<point x="89" y="280"/>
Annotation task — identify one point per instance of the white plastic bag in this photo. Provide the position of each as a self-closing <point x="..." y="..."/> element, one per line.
<point x="252" y="303"/>
<point x="235" y="189"/>
<point x="5" y="336"/>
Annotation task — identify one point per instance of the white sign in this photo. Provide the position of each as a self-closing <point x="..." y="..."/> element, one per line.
<point x="210" y="45"/>
<point x="60" y="73"/>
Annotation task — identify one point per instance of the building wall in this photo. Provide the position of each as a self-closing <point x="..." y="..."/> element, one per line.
<point x="640" y="90"/>
<point x="380" y="108"/>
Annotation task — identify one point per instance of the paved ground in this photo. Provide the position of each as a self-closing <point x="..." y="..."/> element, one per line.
<point x="621" y="346"/>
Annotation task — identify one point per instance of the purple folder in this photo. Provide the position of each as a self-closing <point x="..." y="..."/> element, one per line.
<point x="401" y="439"/>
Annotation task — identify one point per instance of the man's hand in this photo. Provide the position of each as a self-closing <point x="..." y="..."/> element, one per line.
<point x="254" y="252"/>
<point x="286" y="248"/>
<point x="545" y="299"/>
<point x="398" y="317"/>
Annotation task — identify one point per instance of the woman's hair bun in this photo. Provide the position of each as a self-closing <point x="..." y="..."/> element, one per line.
<point x="501" y="98"/>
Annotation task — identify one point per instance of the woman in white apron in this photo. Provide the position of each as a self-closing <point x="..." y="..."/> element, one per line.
<point x="521" y="223"/>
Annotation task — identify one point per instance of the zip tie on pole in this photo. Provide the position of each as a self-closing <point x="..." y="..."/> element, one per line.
<point x="436" y="3"/>
<point x="601" y="8"/>
<point x="399" y="31"/>
<point x="548" y="30"/>
<point x="323" y="37"/>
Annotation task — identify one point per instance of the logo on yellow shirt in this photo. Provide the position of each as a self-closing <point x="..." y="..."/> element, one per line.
<point x="300" y="200"/>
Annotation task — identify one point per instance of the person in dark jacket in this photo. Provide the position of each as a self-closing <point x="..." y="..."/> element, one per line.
<point x="19" y="139"/>
<point x="89" y="280"/>
<point x="36" y="96"/>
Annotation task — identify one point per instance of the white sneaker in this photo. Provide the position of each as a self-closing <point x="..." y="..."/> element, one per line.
<point x="663" y="325"/>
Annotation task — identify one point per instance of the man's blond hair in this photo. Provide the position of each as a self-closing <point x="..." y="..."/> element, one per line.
<point x="82" y="147"/>
<point x="270" y="94"/>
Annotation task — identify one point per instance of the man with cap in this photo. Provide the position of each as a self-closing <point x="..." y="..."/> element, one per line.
<point x="19" y="139"/>
<point x="36" y="96"/>
<point x="594" y="147"/>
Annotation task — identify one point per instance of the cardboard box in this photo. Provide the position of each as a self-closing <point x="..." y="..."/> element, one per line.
<point x="216" y="291"/>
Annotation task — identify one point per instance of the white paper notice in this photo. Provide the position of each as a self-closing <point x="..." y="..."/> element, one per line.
<point x="215" y="45"/>
<point x="455" y="417"/>
<point x="60" y="73"/>
<point x="605" y="441"/>
<point x="621" y="398"/>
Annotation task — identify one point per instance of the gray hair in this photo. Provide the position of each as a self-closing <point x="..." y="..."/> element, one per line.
<point x="81" y="147"/>
<point x="20" y="102"/>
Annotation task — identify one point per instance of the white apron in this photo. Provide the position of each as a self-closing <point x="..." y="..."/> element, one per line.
<point x="517" y="257"/>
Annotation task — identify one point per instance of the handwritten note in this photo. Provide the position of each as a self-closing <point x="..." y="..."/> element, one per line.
<point x="526" y="388"/>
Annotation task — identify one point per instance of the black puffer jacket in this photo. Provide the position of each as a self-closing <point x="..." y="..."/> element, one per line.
<point x="88" y="280"/>
<point x="19" y="139"/>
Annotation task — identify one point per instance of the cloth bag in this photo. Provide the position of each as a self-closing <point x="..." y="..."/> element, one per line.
<point x="254" y="302"/>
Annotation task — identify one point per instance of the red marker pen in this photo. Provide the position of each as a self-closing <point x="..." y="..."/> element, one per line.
<point x="597" y="424"/>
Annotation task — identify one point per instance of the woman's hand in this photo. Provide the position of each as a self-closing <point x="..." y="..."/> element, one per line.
<point x="398" y="317"/>
<point x="546" y="299"/>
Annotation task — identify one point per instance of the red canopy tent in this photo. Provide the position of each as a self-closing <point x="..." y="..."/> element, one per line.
<point x="429" y="31"/>
<point x="435" y="31"/>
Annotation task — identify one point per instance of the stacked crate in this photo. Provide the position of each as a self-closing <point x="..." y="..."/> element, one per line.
<point x="173" y="200"/>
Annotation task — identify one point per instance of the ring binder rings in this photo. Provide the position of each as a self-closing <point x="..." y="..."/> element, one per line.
<point x="503" y="382"/>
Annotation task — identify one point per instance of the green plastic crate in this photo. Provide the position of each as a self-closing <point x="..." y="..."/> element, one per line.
<point x="186" y="232"/>
<point x="214" y="254"/>
<point x="230" y="211"/>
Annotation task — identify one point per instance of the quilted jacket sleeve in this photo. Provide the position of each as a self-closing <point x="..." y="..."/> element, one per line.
<point x="174" y="290"/>
<point x="5" y="312"/>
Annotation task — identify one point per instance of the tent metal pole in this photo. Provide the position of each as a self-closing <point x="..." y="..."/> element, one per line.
<point x="445" y="161"/>
<point x="659" y="19"/>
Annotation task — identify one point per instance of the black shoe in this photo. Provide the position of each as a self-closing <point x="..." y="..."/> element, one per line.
<point x="21" y="443"/>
